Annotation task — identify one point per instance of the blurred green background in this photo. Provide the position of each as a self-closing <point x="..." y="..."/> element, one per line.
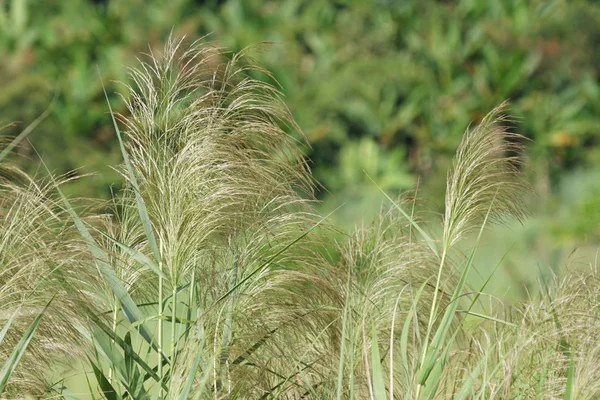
<point x="383" y="86"/>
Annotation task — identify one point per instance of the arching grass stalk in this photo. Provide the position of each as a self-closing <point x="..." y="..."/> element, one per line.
<point x="483" y="186"/>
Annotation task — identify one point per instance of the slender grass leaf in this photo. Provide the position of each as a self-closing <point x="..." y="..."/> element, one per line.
<point x="13" y="360"/>
<point x="28" y="130"/>
<point x="488" y="317"/>
<point x="570" y="387"/>
<point x="136" y="255"/>
<point x="432" y="354"/>
<point x="272" y="258"/>
<point x="430" y="242"/>
<point x="105" y="386"/>
<point x="467" y="387"/>
<point x="405" y="332"/>
<point x="130" y="309"/>
<point x="191" y="373"/>
<point x="141" y="205"/>
<point x="120" y="361"/>
<point x="340" y="379"/>
<point x="378" y="380"/>
<point x="542" y="382"/>
<point x="8" y="324"/>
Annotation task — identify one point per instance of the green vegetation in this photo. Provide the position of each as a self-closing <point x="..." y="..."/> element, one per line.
<point x="382" y="86"/>
<point x="212" y="275"/>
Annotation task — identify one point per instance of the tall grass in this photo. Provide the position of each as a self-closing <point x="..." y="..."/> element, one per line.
<point x="213" y="276"/>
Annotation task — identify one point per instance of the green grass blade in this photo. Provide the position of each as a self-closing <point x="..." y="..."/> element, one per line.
<point x="11" y="362"/>
<point x="378" y="380"/>
<point x="272" y="258"/>
<point x="438" y="368"/>
<point x="111" y="354"/>
<point x="404" y="352"/>
<point x="430" y="242"/>
<point x="128" y="306"/>
<point x="542" y="383"/>
<point x="7" y="325"/>
<point x="127" y="349"/>
<point x="136" y="255"/>
<point x="433" y="352"/>
<point x="130" y="309"/>
<point x="340" y="378"/>
<point x="570" y="387"/>
<point x="309" y="388"/>
<point x="107" y="389"/>
<point x="488" y="317"/>
<point x="468" y="387"/>
<point x="27" y="130"/>
<point x="141" y="205"/>
<point x="191" y="374"/>
<point x="489" y="278"/>
<point x="89" y="385"/>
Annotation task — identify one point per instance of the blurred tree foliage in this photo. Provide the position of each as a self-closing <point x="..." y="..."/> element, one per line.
<point x="384" y="87"/>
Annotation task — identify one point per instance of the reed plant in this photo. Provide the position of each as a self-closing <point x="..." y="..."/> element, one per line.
<point x="213" y="276"/>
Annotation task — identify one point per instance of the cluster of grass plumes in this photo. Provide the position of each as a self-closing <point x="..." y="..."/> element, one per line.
<point x="213" y="277"/>
<point x="39" y="254"/>
<point x="553" y="352"/>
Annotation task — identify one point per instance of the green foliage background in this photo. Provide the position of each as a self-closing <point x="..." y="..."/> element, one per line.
<point x="383" y="87"/>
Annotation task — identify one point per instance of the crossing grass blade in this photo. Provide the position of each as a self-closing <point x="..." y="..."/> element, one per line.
<point x="570" y="386"/>
<point x="136" y="255"/>
<point x="13" y="360"/>
<point x="28" y="130"/>
<point x="431" y="357"/>
<point x="430" y="242"/>
<point x="130" y="309"/>
<point x="128" y="306"/>
<point x="104" y="332"/>
<point x="468" y="386"/>
<point x="106" y="387"/>
<point x="345" y="323"/>
<point x="191" y="373"/>
<point x="274" y="257"/>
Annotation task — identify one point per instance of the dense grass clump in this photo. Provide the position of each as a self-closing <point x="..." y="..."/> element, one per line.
<point x="213" y="277"/>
